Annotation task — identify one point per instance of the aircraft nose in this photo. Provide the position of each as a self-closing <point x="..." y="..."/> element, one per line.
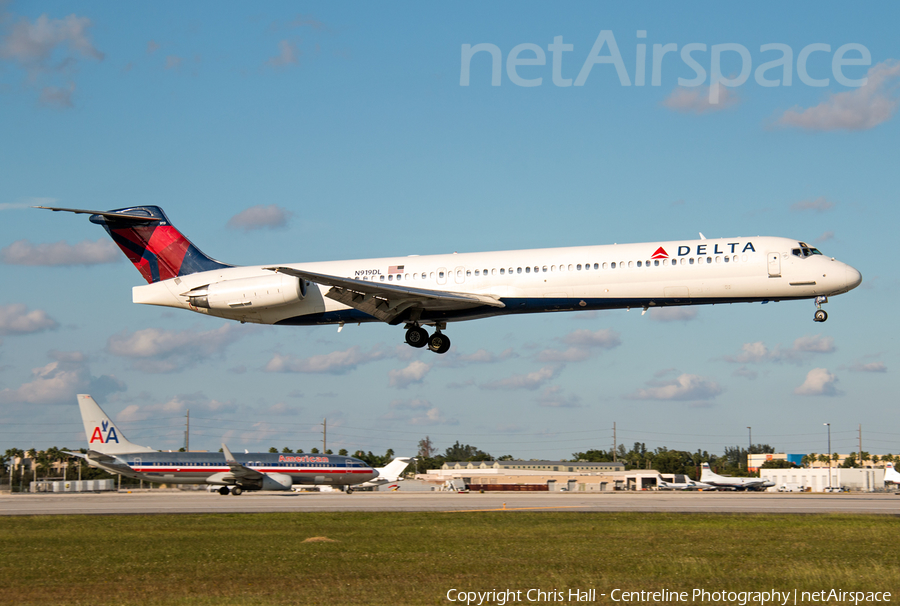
<point x="853" y="278"/>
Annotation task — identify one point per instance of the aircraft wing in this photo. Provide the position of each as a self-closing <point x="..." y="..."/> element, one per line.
<point x="239" y="471"/>
<point x="389" y="302"/>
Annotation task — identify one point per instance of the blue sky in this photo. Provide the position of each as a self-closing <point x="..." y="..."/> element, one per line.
<point x="295" y="132"/>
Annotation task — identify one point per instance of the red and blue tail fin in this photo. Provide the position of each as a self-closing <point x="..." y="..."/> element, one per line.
<point x="151" y="242"/>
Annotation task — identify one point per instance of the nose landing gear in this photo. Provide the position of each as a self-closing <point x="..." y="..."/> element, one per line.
<point x="821" y="315"/>
<point x="416" y="336"/>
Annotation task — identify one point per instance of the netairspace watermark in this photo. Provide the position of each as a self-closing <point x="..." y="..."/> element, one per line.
<point x="777" y="70"/>
<point x="792" y="597"/>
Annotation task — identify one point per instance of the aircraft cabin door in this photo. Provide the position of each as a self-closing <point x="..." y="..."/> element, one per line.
<point x="774" y="259"/>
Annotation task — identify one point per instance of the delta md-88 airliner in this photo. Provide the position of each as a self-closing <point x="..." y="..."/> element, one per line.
<point x="419" y="291"/>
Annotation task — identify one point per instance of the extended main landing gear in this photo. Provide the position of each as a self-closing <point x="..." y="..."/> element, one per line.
<point x="235" y="490"/>
<point x="821" y="315"/>
<point x="418" y="337"/>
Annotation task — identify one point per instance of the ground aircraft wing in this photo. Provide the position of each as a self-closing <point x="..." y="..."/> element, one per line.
<point x="239" y="471"/>
<point x="389" y="302"/>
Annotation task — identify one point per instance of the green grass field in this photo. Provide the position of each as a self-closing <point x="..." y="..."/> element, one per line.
<point x="415" y="558"/>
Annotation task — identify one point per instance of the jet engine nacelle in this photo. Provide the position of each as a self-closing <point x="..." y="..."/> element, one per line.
<point x="276" y="481"/>
<point x="261" y="292"/>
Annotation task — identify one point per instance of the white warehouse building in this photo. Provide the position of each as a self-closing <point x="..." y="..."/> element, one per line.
<point x="816" y="479"/>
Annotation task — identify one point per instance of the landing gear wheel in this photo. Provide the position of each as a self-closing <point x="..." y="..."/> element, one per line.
<point x="224" y="491"/>
<point x="349" y="490"/>
<point x="439" y="343"/>
<point x="821" y="315"/>
<point x="236" y="491"/>
<point x="417" y="336"/>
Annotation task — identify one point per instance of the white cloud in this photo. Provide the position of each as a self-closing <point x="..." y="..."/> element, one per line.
<point x="415" y="404"/>
<point x="280" y="408"/>
<point x="47" y="48"/>
<point x="819" y="205"/>
<point x="695" y="100"/>
<point x="196" y="402"/>
<point x="15" y="319"/>
<point x="685" y="387"/>
<point x="571" y="354"/>
<point x="58" y="96"/>
<point x="288" y="54"/>
<point x="414" y="373"/>
<point x="434" y="416"/>
<point x="260" y="217"/>
<point x="60" y="380"/>
<point x="483" y="356"/>
<point x="553" y="397"/>
<point x="745" y="372"/>
<point x="531" y="380"/>
<point x="814" y="344"/>
<point x="859" y="109"/>
<point x="869" y="367"/>
<point x="582" y="343"/>
<point x="819" y="382"/>
<point x="802" y="349"/>
<point x="162" y="351"/>
<point x="23" y="252"/>
<point x="673" y="314"/>
<point x="335" y="363"/>
<point x="601" y="339"/>
<point x="49" y="44"/>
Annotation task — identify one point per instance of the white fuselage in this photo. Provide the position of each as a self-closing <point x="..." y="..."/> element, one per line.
<point x="691" y="272"/>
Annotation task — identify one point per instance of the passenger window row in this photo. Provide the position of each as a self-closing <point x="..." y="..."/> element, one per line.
<point x="503" y="271"/>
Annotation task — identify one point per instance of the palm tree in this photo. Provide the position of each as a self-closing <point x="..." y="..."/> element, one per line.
<point x="15" y="456"/>
<point x="32" y="454"/>
<point x="863" y="457"/>
<point x="824" y="458"/>
<point x="810" y="459"/>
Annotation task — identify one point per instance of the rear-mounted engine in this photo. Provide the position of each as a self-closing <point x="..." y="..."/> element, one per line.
<point x="259" y="293"/>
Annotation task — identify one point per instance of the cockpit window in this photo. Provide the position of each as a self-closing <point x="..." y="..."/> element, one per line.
<point x="805" y="250"/>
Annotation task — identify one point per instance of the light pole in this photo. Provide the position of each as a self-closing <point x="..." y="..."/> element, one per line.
<point x="749" y="446"/>
<point x="829" y="453"/>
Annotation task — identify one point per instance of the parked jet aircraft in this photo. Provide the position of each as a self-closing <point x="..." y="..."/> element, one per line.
<point x="389" y="473"/>
<point x="890" y="474"/>
<point x="707" y="476"/>
<point x="109" y="449"/>
<point x="689" y="484"/>
<point x="433" y="290"/>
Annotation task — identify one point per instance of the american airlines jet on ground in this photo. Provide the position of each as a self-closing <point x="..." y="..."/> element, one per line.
<point x="418" y="291"/>
<point x="108" y="449"/>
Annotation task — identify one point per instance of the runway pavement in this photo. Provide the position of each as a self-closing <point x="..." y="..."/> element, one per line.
<point x="174" y="501"/>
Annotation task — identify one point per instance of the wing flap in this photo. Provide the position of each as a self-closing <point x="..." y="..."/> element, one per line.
<point x="388" y="302"/>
